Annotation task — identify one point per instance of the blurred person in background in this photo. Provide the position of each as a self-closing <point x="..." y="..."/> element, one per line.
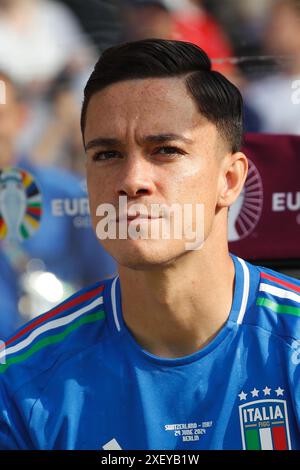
<point x="184" y="20"/>
<point x="60" y="142"/>
<point x="70" y="253"/>
<point x="188" y="20"/>
<point x="272" y="96"/>
<point x="244" y="22"/>
<point x="39" y="40"/>
<point x="193" y="23"/>
<point x="101" y="20"/>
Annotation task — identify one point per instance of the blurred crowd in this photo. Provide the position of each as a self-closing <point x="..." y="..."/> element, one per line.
<point x="47" y="50"/>
<point x="256" y="43"/>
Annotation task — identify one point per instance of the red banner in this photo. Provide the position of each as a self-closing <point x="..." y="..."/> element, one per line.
<point x="264" y="223"/>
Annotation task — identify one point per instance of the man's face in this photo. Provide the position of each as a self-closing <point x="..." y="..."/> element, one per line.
<point x="145" y="166"/>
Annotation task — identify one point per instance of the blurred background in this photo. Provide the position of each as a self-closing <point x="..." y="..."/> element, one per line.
<point x="47" y="51"/>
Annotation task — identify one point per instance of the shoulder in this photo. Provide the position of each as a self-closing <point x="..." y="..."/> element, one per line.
<point x="275" y="303"/>
<point x="53" y="337"/>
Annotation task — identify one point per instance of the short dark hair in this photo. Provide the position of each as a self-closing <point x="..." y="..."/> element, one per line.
<point x="217" y="98"/>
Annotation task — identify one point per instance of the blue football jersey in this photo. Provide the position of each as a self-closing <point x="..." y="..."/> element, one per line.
<point x="75" y="377"/>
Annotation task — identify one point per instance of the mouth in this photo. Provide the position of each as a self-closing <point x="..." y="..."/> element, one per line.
<point x="139" y="218"/>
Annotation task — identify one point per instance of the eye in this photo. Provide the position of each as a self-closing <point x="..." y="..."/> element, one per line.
<point x="105" y="155"/>
<point x="169" y="151"/>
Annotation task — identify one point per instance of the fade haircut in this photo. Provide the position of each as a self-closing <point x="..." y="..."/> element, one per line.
<point x="217" y="98"/>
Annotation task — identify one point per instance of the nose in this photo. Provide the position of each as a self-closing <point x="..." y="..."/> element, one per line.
<point x="136" y="178"/>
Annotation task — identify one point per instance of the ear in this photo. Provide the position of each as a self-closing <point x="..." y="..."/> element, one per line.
<point x="233" y="176"/>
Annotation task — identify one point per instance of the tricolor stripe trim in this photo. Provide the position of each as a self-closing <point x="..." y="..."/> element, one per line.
<point x="52" y="339"/>
<point x="289" y="285"/>
<point x="278" y="292"/>
<point x="278" y="308"/>
<point x="48" y="327"/>
<point x="53" y="313"/>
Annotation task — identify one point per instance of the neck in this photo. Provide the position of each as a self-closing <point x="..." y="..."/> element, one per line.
<point x="177" y="310"/>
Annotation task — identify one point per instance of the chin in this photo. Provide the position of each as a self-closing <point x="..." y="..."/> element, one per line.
<point x="144" y="254"/>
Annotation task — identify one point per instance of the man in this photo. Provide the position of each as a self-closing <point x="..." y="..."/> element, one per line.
<point x="189" y="347"/>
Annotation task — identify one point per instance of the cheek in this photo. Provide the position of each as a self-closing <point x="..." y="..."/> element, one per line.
<point x="96" y="191"/>
<point x="196" y="185"/>
<point x="96" y="180"/>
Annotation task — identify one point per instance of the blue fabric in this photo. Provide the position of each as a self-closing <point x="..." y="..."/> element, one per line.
<point x="98" y="387"/>
<point x="9" y="291"/>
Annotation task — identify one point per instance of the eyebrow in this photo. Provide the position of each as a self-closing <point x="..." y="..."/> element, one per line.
<point x="158" y="138"/>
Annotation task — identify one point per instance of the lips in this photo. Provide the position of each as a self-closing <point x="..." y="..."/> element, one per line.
<point x="129" y="218"/>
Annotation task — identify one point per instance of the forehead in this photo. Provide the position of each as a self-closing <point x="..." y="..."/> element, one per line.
<point x="156" y="104"/>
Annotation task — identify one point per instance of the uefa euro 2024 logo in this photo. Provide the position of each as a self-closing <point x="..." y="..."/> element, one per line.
<point x="245" y="213"/>
<point x="20" y="205"/>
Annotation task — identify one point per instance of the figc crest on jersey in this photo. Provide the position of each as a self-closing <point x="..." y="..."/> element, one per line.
<point x="264" y="422"/>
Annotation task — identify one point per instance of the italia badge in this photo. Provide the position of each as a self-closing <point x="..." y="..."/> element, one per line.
<point x="264" y="421"/>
